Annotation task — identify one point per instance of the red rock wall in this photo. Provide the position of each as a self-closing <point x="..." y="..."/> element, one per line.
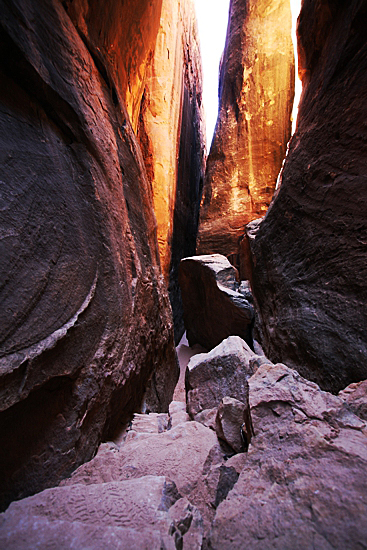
<point x="254" y="123"/>
<point x="85" y="317"/>
<point x="309" y="254"/>
<point x="171" y="132"/>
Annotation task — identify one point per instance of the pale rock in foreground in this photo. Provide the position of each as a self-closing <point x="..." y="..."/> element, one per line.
<point x="221" y="372"/>
<point x="303" y="484"/>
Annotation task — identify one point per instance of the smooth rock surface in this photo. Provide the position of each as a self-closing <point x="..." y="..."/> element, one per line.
<point x="303" y="482"/>
<point x="85" y="317"/>
<point x="254" y="122"/>
<point x="217" y="374"/>
<point x="213" y="307"/>
<point x="309" y="254"/>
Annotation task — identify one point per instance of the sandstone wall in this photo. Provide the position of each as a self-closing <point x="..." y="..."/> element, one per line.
<point x="85" y="317"/>
<point x="171" y="133"/>
<point x="256" y="93"/>
<point x="309" y="254"/>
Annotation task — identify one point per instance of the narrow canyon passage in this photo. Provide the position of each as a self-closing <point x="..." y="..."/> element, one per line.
<point x="120" y="237"/>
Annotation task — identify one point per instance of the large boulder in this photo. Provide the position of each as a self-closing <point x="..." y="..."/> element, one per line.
<point x="254" y="122"/>
<point x="213" y="307"/>
<point x="309" y="253"/>
<point x="303" y="482"/>
<point x="217" y="374"/>
<point x="85" y="320"/>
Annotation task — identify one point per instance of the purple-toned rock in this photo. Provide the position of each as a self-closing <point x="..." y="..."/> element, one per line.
<point x="221" y="372"/>
<point x="233" y="424"/>
<point x="303" y="482"/>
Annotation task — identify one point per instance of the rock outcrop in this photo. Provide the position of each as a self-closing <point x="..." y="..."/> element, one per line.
<point x="302" y="483"/>
<point x="214" y="307"/>
<point x="254" y="124"/>
<point x="168" y="483"/>
<point x="85" y="316"/>
<point x="309" y="253"/>
<point x="172" y="136"/>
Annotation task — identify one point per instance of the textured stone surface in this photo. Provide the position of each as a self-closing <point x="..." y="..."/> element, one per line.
<point x="355" y="395"/>
<point x="217" y="374"/>
<point x="85" y="318"/>
<point x="179" y="454"/>
<point x="303" y="482"/>
<point x="213" y="307"/>
<point x="233" y="424"/>
<point x="309" y="254"/>
<point x="172" y="136"/>
<point x="253" y="128"/>
<point x="139" y="513"/>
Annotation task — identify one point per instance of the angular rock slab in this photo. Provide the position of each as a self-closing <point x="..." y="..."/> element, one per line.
<point x="213" y="307"/>
<point x="217" y="374"/>
<point x="178" y="454"/>
<point x="233" y="424"/>
<point x="139" y="513"/>
<point x="303" y="484"/>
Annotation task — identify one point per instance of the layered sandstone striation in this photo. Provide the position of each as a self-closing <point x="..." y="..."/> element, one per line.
<point x="85" y="319"/>
<point x="172" y="135"/>
<point x="254" y="123"/>
<point x="309" y="253"/>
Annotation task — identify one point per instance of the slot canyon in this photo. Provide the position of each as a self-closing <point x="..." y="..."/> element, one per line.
<point x="183" y="327"/>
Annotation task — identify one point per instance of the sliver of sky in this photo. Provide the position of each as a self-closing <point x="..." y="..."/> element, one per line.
<point x="212" y="17"/>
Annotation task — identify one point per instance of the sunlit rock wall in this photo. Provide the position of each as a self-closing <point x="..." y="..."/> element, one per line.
<point x="172" y="136"/>
<point x="256" y="93"/>
<point x="309" y="254"/>
<point x="85" y="319"/>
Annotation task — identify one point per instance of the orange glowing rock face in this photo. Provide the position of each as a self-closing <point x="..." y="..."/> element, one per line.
<point x="254" y="123"/>
<point x="175" y="69"/>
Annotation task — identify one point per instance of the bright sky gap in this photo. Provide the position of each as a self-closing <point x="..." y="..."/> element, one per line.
<point x="212" y="16"/>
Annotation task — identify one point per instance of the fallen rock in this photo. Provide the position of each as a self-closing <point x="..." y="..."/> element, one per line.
<point x="303" y="482"/>
<point x="139" y="513"/>
<point x="254" y="122"/>
<point x="355" y="395"/>
<point x="179" y="454"/>
<point x="221" y="372"/>
<point x="233" y="424"/>
<point x="309" y="275"/>
<point x="213" y="307"/>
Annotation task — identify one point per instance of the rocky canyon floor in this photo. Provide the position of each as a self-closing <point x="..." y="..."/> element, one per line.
<point x="170" y="483"/>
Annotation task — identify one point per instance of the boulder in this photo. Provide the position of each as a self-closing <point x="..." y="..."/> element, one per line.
<point x="213" y="307"/>
<point x="256" y="89"/>
<point x="139" y="513"/>
<point x="309" y="274"/>
<point x="217" y="374"/>
<point x="233" y="424"/>
<point x="303" y="482"/>
<point x="355" y="395"/>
